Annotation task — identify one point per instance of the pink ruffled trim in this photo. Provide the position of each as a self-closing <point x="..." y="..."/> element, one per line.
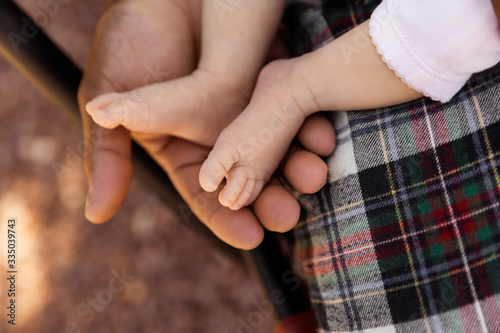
<point x="399" y="56"/>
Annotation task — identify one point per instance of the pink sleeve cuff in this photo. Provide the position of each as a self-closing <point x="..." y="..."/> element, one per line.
<point x="435" y="46"/>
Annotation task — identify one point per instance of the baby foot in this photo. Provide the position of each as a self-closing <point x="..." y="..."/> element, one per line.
<point x="194" y="107"/>
<point x="250" y="149"/>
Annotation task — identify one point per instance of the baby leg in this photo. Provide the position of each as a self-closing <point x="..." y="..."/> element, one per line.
<point x="182" y="107"/>
<point x="250" y="149"/>
<point x="197" y="107"/>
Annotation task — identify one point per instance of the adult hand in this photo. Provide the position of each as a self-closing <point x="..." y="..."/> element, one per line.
<point x="140" y="42"/>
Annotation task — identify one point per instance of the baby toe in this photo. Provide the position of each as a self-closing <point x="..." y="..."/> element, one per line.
<point x="216" y="166"/>
<point x="101" y="102"/>
<point x="211" y="175"/>
<point x="245" y="195"/>
<point x="106" y="118"/>
<point x="236" y="182"/>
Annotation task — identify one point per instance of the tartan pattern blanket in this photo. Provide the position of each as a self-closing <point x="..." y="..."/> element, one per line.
<point x="405" y="236"/>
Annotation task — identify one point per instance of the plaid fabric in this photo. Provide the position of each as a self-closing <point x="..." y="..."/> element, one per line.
<point x="405" y="236"/>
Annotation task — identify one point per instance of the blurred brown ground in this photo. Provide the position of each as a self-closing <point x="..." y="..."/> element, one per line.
<point x="181" y="284"/>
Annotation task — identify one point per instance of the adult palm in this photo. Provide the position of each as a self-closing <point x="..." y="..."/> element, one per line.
<point x="139" y="42"/>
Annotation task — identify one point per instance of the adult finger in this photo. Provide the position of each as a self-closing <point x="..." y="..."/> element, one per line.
<point x="305" y="171"/>
<point x="318" y="135"/>
<point x="276" y="208"/>
<point x="107" y="160"/>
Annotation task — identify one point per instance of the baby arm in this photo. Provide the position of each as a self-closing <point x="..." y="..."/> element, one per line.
<point x="349" y="74"/>
<point x="235" y="40"/>
<point x="346" y="74"/>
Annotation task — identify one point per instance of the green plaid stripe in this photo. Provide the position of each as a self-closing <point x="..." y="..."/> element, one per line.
<point x="405" y="236"/>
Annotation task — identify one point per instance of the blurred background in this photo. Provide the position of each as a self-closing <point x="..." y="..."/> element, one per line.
<point x="178" y="281"/>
